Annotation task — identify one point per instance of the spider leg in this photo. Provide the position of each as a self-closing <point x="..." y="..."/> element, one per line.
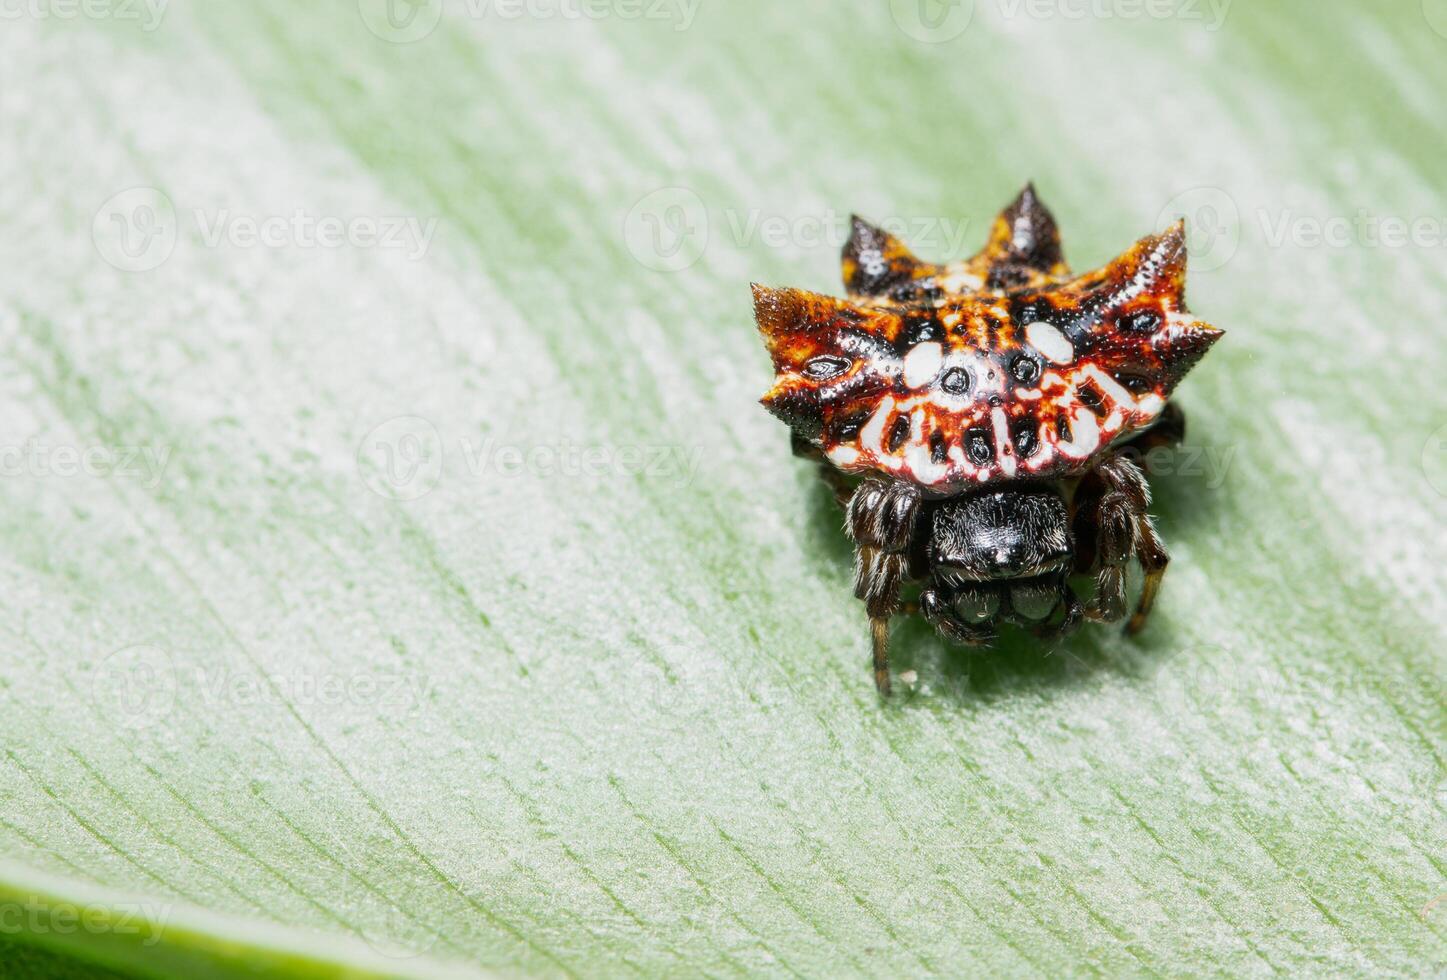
<point x="1170" y="430"/>
<point x="1154" y="559"/>
<point x="879" y="645"/>
<point x="1115" y="542"/>
<point x="1124" y="529"/>
<point x="877" y="577"/>
<point x="881" y="522"/>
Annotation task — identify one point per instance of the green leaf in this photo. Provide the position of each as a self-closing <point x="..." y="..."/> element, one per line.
<point x="445" y="603"/>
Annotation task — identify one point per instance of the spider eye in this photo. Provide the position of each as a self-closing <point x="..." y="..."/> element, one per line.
<point x="1144" y="321"/>
<point x="1025" y="369"/>
<point x="978" y="448"/>
<point x="923" y="332"/>
<point x="1027" y="440"/>
<point x="956" y="381"/>
<point x="824" y="368"/>
<point x="1132" y="382"/>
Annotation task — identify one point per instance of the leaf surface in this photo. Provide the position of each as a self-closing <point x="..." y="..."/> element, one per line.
<point x="448" y="599"/>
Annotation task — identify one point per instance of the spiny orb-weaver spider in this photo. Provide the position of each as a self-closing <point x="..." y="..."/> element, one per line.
<point x="992" y="407"/>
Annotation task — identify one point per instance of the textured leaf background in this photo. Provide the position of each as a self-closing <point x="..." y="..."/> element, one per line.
<point x="378" y="609"/>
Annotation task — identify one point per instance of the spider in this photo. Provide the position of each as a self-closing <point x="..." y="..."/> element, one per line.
<point x="979" y="421"/>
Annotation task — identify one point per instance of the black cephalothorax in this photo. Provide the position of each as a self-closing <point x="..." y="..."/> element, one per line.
<point x="1006" y="555"/>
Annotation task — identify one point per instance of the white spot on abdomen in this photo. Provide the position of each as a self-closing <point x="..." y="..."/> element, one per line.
<point x="1084" y="432"/>
<point x="1003" y="455"/>
<point x="871" y="437"/>
<point x="1048" y="340"/>
<point x="1112" y="388"/>
<point x="922" y="363"/>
